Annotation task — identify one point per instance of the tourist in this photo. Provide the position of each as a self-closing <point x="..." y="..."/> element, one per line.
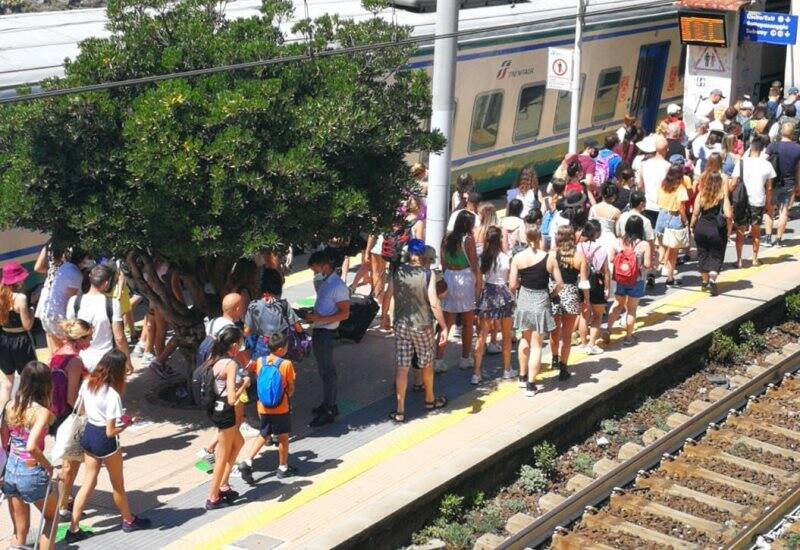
<point x="629" y="123"/>
<point x="672" y="221"/>
<point x="105" y="316"/>
<point x="66" y="283"/>
<point x="627" y="149"/>
<point x="28" y="472"/>
<point x="101" y="395"/>
<point x="606" y="214"/>
<point x="331" y="307"/>
<point x="625" y="183"/>
<point x="416" y="307"/>
<point x="568" y="302"/>
<point x="637" y="205"/>
<point x="576" y="181"/>
<point x="712" y="211"/>
<point x="463" y="282"/>
<point x="527" y="191"/>
<point x="465" y="184"/>
<point x="530" y="275"/>
<point x="496" y="303"/>
<point x="675" y="140"/>
<point x="229" y="386"/>
<point x="652" y="174"/>
<point x="757" y="175"/>
<point x="16" y="319"/>
<point x="471" y="207"/>
<point x="599" y="286"/>
<point x="785" y="155"/>
<point x="487" y="217"/>
<point x="270" y="313"/>
<point x="512" y="227"/>
<point x="276" y="421"/>
<point x="635" y="251"/>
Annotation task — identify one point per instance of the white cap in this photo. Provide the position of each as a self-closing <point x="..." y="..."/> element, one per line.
<point x="647" y="145"/>
<point x="716" y="126"/>
<point x="746" y="105"/>
<point x="701" y="121"/>
<point x="673" y="109"/>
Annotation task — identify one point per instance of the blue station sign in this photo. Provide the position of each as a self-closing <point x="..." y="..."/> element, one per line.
<point x="769" y="27"/>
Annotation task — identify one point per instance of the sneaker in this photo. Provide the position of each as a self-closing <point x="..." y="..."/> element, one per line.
<point x="440" y="366"/>
<point x="466" y="363"/>
<point x="521" y="381"/>
<point x="230" y="495"/>
<point x="64" y="515"/>
<point x="628" y="342"/>
<point x="509" y="374"/>
<point x="553" y="363"/>
<point x="589" y="349"/>
<point x="248" y="431"/>
<point x="216" y="504"/>
<point x="247" y="473"/>
<point x="138" y="350"/>
<point x="704" y="286"/>
<point x="493" y="348"/>
<point x="563" y="373"/>
<point x="712" y="286"/>
<point x="651" y="281"/>
<point x="71" y="537"/>
<point x="203" y="454"/>
<point x="475" y="380"/>
<point x="147" y="358"/>
<point x="288" y="472"/>
<point x="767" y="241"/>
<point x="530" y="389"/>
<point x="137" y="524"/>
<point x="777" y="243"/>
<point x="322" y="419"/>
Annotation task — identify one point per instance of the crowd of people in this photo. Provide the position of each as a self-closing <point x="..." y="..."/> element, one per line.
<point x="565" y="263"/>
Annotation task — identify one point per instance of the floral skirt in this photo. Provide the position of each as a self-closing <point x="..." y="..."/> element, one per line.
<point x="495" y="302"/>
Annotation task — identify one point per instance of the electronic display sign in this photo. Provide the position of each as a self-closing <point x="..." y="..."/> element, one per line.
<point x="703" y="29"/>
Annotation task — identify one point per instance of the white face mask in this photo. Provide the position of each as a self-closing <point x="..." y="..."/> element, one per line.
<point x="318" y="277"/>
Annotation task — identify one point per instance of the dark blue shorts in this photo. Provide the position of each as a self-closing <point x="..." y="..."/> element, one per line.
<point x="97" y="443"/>
<point x="275" y="424"/>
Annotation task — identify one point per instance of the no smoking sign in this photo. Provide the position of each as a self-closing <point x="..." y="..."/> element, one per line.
<point x="560" y="67"/>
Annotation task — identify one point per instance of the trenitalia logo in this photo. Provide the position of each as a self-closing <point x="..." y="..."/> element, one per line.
<point x="507" y="72"/>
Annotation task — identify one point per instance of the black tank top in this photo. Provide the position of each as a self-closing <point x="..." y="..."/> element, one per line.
<point x="535" y="277"/>
<point x="14" y="321"/>
<point x="568" y="273"/>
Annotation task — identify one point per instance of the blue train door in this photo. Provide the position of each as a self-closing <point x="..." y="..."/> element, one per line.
<point x="646" y="94"/>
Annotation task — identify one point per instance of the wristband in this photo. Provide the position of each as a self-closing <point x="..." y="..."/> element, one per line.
<point x="584" y="285"/>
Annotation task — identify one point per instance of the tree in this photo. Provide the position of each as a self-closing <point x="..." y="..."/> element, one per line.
<point x="205" y="170"/>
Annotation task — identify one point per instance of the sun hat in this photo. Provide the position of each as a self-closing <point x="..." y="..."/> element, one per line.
<point x="647" y="145"/>
<point x="673" y="109"/>
<point x="14" y="273"/>
<point x="716" y="126"/>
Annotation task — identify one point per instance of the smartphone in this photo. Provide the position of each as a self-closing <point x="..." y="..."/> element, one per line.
<point x="125" y="420"/>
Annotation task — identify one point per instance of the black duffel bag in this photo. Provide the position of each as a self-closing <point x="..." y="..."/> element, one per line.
<point x="363" y="310"/>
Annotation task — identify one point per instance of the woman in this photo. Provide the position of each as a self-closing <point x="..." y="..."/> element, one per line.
<point x="627" y="296"/>
<point x="712" y="213"/>
<point x="627" y="149"/>
<point x="531" y="271"/>
<point x="28" y="472"/>
<point x="101" y="395"/>
<point x="496" y="303"/>
<point x="672" y="221"/>
<point x="731" y="153"/>
<point x="67" y="282"/>
<point x="575" y="183"/>
<point x="463" y="282"/>
<point x="47" y="263"/>
<point x="465" y="184"/>
<point x="599" y="286"/>
<point x="625" y="177"/>
<point x="487" y="215"/>
<point x="527" y="190"/>
<point x="571" y="299"/>
<point x="606" y="214"/>
<point x="67" y="360"/>
<point x="512" y="226"/>
<point x="16" y="319"/>
<point x="229" y="386"/>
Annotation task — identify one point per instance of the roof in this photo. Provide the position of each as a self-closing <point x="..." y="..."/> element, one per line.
<point x="723" y="5"/>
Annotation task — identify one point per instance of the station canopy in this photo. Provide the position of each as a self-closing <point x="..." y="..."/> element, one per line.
<point x="720" y="5"/>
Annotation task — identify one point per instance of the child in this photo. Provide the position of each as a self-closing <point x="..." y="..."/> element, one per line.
<point x="274" y="420"/>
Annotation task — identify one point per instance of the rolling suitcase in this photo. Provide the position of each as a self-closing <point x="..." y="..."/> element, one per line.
<point x="363" y="310"/>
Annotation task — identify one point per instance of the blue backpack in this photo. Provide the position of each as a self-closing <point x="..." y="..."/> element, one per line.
<point x="270" y="383"/>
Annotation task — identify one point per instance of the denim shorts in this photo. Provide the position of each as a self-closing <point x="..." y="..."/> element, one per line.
<point x="667" y="220"/>
<point x="782" y="195"/>
<point x="25" y="482"/>
<point x="96" y="443"/>
<point x="635" y="291"/>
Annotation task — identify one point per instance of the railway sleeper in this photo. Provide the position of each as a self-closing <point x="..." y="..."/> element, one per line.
<point x="575" y="541"/>
<point x="635" y="504"/>
<point x="733" y="437"/>
<point x="750" y="424"/>
<point x="664" y="486"/>
<point x="609" y="522"/>
<point x="681" y="469"/>
<point x="707" y="452"/>
<point x="770" y="407"/>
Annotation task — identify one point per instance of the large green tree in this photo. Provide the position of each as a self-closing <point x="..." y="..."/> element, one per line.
<point x="204" y="170"/>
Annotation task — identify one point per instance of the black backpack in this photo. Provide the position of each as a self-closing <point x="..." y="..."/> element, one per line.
<point x="204" y="388"/>
<point x="739" y="200"/>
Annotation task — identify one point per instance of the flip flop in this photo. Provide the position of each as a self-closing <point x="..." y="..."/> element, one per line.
<point x="397" y="417"/>
<point x="438" y="403"/>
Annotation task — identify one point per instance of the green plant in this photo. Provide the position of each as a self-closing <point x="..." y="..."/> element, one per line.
<point x="661" y="424"/>
<point x="488" y="519"/>
<point x="793" y="541"/>
<point x="751" y="339"/>
<point x="609" y="426"/>
<point x="723" y="349"/>
<point x="515" y="506"/>
<point x="544" y="457"/>
<point x="532" y="479"/>
<point x="451" y="507"/>
<point x="793" y="306"/>
<point x="737" y="449"/>
<point x="457" y="535"/>
<point x="584" y="463"/>
<point x="478" y="499"/>
<point x="657" y="406"/>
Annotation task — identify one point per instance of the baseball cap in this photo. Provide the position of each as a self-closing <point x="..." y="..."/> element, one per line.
<point x="793" y="91"/>
<point x="591" y="143"/>
<point x="416" y="247"/>
<point x="677" y="159"/>
<point x="716" y="126"/>
<point x="673" y="109"/>
<point x="717" y="91"/>
<point x="746" y="105"/>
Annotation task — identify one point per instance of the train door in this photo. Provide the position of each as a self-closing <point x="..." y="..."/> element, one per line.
<point x="646" y="96"/>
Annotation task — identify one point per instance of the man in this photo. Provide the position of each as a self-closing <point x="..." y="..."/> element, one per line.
<point x="331" y="307"/>
<point x="416" y="300"/>
<point x="756" y="174"/>
<point x="713" y="107"/>
<point x="675" y="116"/>
<point x="105" y="316"/>
<point x="792" y="98"/>
<point x="269" y="314"/>
<point x="638" y="202"/>
<point x="674" y="140"/>
<point x="785" y="157"/>
<point x="745" y="112"/>
<point x="774" y="98"/>
<point x="591" y="148"/>
<point x="789" y="116"/>
<point x="698" y="139"/>
<point x="607" y="155"/>
<point x="473" y="200"/>
<point x="652" y="174"/>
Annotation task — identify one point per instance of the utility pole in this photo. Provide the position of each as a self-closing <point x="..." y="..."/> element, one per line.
<point x="575" y="110"/>
<point x="792" y="74"/>
<point x="444" y="82"/>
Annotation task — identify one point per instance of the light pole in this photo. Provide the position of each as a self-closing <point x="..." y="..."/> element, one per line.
<point x="575" y="107"/>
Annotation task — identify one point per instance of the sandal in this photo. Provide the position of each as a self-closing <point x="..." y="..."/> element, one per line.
<point x="397" y="417"/>
<point x="438" y="403"/>
<point x="418" y="387"/>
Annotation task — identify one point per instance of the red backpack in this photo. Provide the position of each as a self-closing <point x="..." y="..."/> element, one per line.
<point x="626" y="267"/>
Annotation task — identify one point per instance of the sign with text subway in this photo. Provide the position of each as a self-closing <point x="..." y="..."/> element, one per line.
<point x="769" y="28"/>
<point x="559" y="69"/>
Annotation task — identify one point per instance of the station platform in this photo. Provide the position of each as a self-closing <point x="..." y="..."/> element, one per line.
<point x="363" y="469"/>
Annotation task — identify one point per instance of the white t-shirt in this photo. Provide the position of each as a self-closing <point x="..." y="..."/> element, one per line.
<point x="654" y="171"/>
<point x="757" y="172"/>
<point x="451" y="223"/>
<point x="93" y="311"/>
<point x="101" y="406"/>
<point x="216" y="325"/>
<point x="649" y="235"/>
<point x="68" y="277"/>
<point x="498" y="275"/>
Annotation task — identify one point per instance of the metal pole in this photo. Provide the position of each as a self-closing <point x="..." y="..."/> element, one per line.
<point x="792" y="60"/>
<point x="575" y="111"/>
<point x="444" y="81"/>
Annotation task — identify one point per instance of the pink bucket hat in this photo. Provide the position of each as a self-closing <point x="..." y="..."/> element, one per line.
<point x="14" y="273"/>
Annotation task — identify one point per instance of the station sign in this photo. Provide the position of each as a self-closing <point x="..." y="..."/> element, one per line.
<point x="703" y="29"/>
<point x="559" y="69"/>
<point x="769" y="27"/>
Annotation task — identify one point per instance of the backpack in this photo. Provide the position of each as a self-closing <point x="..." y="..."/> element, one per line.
<point x="204" y="388"/>
<point x="605" y="167"/>
<point x="739" y="199"/>
<point x="270" y="383"/>
<point x="204" y="349"/>
<point x="626" y="267"/>
<point x="58" y="376"/>
<point x="393" y="245"/>
<point x="774" y="157"/>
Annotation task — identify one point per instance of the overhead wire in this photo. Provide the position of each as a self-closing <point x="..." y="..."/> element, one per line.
<point x="309" y="56"/>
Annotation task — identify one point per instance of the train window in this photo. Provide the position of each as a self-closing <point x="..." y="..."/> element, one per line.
<point x="605" y="99"/>
<point x="563" y="106"/>
<point x="529" y="112"/>
<point x="485" y="120"/>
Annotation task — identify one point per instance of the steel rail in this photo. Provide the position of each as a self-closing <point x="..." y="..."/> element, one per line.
<point x="766" y="521"/>
<point x="599" y="490"/>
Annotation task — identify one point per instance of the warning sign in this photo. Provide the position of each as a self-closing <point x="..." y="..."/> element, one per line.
<point x="710" y="60"/>
<point x="559" y="69"/>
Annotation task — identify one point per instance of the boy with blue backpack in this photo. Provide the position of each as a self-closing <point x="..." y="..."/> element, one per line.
<point x="275" y="376"/>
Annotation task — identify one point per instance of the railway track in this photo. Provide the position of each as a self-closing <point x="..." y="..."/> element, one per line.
<point x="727" y="472"/>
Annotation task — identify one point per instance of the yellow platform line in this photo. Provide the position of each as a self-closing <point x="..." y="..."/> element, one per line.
<point x="440" y="422"/>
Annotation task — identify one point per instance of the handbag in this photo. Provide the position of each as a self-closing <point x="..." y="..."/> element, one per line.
<point x="675" y="238"/>
<point x="68" y="437"/>
<point x="299" y="342"/>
